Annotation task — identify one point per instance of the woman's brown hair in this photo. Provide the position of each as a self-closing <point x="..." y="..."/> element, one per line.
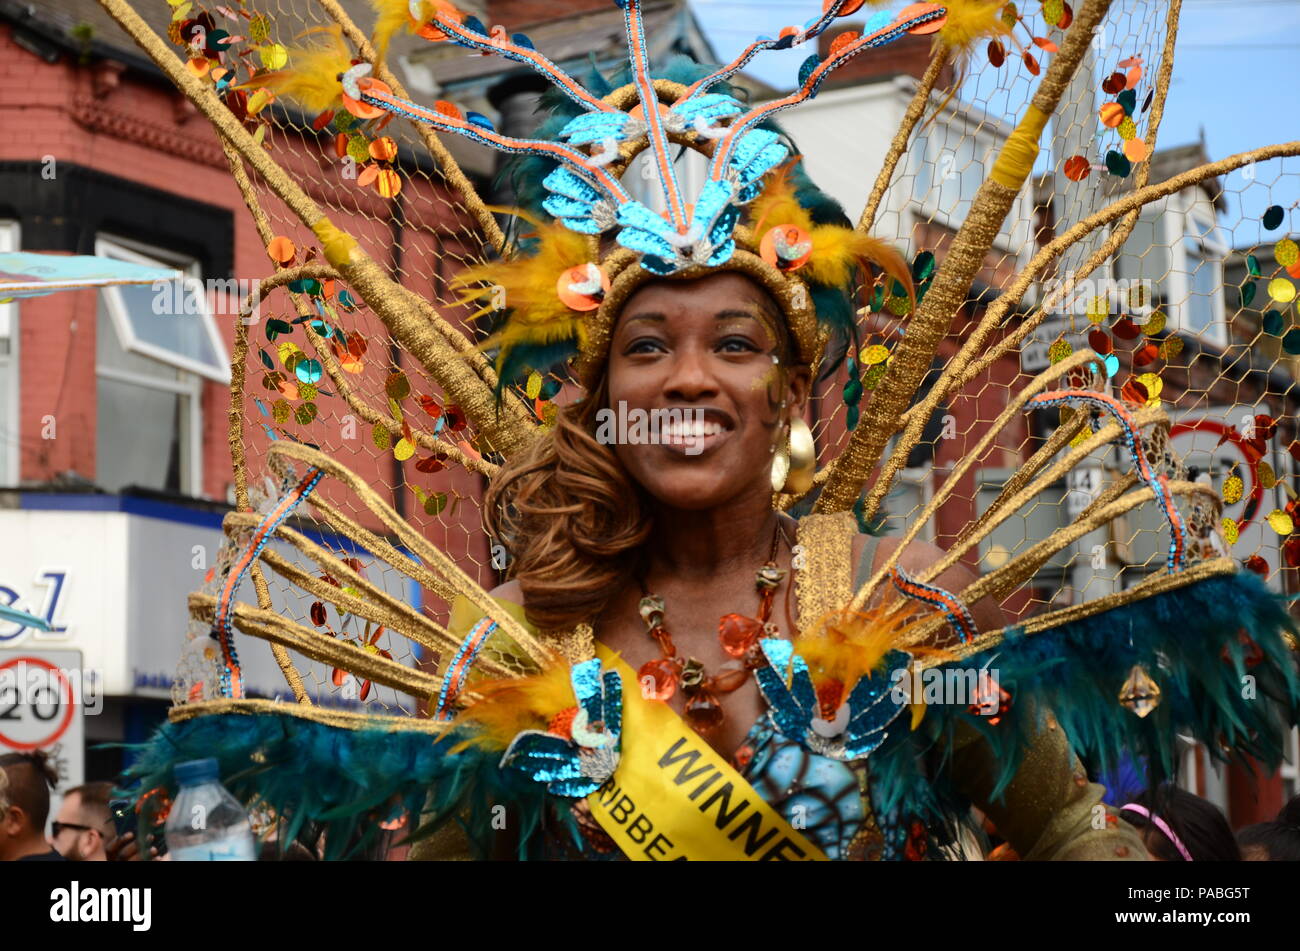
<point x="571" y="517"/>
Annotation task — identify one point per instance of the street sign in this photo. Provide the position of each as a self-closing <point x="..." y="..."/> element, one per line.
<point x="44" y="696"/>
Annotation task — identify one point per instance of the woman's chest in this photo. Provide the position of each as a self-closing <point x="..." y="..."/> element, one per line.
<point x="714" y="692"/>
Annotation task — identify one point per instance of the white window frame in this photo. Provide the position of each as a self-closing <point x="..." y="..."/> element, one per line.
<point x="187" y="384"/>
<point x="1178" y="227"/>
<point x="1199" y="770"/>
<point x="1290" y="769"/>
<point x="11" y="418"/>
<point x="137" y="253"/>
<point x="922" y="479"/>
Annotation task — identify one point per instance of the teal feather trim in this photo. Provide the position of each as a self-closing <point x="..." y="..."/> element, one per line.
<point x="345" y="782"/>
<point x="1076" y="671"/>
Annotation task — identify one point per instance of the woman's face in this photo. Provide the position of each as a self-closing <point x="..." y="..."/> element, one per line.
<point x="700" y="356"/>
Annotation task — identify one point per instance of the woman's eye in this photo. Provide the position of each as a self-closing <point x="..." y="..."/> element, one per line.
<point x="644" y="345"/>
<point x="738" y="345"/>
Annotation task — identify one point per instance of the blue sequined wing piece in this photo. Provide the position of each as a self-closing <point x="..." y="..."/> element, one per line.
<point x="790" y="707"/>
<point x="545" y="757"/>
<point x="874" y="704"/>
<point x="589" y="689"/>
<point x="613" y="713"/>
<point x="576" y="202"/>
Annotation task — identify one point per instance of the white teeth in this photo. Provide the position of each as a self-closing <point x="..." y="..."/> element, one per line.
<point x="691" y="430"/>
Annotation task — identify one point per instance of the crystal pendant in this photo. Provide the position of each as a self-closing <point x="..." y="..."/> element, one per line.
<point x="738" y="633"/>
<point x="658" y="679"/>
<point x="1140" y="693"/>
<point x="731" y="676"/>
<point x="991" y="701"/>
<point x="703" y="712"/>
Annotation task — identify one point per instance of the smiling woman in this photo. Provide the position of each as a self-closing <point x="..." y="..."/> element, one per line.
<point x="677" y="666"/>
<point x="577" y="513"/>
<point x="682" y="560"/>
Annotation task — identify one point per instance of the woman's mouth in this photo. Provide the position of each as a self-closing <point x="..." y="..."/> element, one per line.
<point x="693" y="435"/>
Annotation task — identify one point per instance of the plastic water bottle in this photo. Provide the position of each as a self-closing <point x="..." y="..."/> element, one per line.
<point x="206" y="823"/>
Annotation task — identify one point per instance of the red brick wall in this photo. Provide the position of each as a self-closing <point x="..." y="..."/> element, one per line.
<point x="1252" y="795"/>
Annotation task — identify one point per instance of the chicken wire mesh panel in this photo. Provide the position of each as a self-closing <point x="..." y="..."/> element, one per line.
<point x="1160" y="302"/>
<point x="321" y="368"/>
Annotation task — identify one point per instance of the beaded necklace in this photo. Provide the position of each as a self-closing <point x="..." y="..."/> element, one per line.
<point x="738" y="635"/>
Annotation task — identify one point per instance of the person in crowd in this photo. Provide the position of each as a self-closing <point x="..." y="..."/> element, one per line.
<point x="83" y="827"/>
<point x="25" y="783"/>
<point x="1179" y="826"/>
<point x="1275" y="841"/>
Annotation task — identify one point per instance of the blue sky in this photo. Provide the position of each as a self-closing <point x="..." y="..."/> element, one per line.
<point x="1236" y="75"/>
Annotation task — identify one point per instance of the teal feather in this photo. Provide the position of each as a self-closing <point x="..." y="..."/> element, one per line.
<point x="347" y="781"/>
<point x="1077" y="669"/>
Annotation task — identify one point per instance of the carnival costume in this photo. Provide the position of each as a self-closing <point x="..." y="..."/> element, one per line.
<point x="552" y="725"/>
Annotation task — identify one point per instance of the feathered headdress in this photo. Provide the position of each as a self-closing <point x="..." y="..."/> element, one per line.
<point x="562" y="288"/>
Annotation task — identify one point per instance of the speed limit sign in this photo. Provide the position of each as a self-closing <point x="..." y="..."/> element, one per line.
<point x="42" y="703"/>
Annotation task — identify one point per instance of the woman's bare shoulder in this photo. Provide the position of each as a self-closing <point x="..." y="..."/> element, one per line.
<point x="510" y="591"/>
<point x="917" y="556"/>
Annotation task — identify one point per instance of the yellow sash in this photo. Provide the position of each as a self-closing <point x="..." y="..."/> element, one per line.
<point x="674" y="798"/>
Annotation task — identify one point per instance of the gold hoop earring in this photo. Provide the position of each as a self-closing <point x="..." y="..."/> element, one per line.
<point x="801" y="458"/>
<point x="780" y="467"/>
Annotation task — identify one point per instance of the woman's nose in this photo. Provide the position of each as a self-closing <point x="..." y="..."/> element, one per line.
<point x="689" y="376"/>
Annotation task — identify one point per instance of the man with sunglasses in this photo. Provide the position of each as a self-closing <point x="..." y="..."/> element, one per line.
<point x="84" y="826"/>
<point x="25" y="783"/>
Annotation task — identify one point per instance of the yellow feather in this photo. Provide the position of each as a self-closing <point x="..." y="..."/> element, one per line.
<point x="844" y="647"/>
<point x="971" y="20"/>
<point x="838" y="253"/>
<point x="392" y="16"/>
<point x="311" y="77"/>
<point x="514" y="704"/>
<point x="777" y="205"/>
<point x="526" y="285"/>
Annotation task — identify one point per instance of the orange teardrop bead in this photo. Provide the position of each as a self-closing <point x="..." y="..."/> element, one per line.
<point x="658" y="679"/>
<point x="738" y="633"/>
<point x="703" y="712"/>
